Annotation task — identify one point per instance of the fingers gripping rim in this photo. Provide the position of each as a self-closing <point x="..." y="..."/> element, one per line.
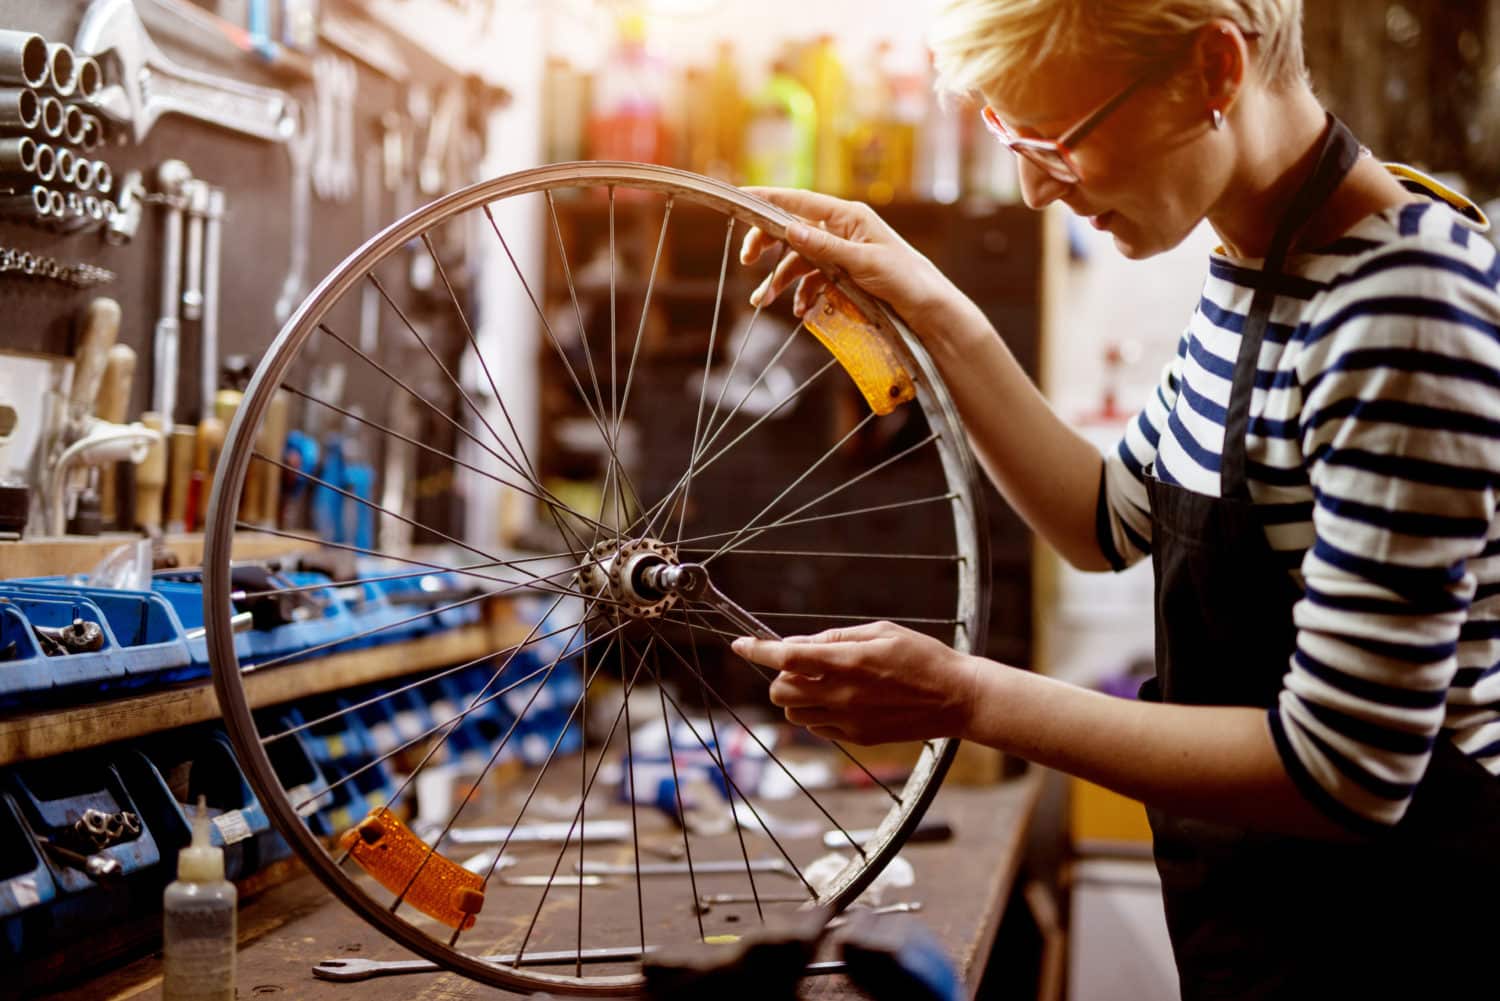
<point x="959" y="469"/>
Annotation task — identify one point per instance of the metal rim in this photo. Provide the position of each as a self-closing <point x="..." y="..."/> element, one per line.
<point x="229" y="479"/>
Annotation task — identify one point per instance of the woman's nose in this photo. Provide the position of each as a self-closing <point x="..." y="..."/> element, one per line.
<point x="1038" y="188"/>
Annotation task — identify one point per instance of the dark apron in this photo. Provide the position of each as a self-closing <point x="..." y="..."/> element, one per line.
<point x="1413" y="912"/>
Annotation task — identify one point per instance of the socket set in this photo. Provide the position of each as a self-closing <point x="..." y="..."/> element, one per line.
<point x="50" y="127"/>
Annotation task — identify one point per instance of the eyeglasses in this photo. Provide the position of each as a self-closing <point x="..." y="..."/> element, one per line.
<point x="1055" y="156"/>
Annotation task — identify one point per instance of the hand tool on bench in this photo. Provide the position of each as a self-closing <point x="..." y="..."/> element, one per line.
<point x="113" y="406"/>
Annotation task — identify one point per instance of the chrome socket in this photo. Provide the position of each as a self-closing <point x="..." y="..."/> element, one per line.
<point x="64" y="68"/>
<point x="67" y="165"/>
<point x="45" y="168"/>
<point x="53" y="117"/>
<point x="73" y="124"/>
<point x="20" y="108"/>
<point x="90" y="77"/>
<point x="93" y="133"/>
<point x="34" y="205"/>
<point x="17" y="156"/>
<point x="83" y="173"/>
<point x="24" y="59"/>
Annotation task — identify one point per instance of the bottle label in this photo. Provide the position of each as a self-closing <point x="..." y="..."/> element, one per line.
<point x="232" y="827"/>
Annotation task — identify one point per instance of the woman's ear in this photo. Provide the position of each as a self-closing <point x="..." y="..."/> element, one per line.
<point x="1221" y="59"/>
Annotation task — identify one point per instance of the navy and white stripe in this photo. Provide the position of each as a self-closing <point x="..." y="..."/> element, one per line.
<point x="1373" y="453"/>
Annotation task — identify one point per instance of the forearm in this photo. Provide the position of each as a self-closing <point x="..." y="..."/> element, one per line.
<point x="1213" y="763"/>
<point x="1044" y="469"/>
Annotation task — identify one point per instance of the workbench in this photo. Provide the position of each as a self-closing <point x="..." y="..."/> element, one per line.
<point x="963" y="885"/>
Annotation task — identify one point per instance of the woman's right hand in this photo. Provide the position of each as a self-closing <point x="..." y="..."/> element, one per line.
<point x="846" y="236"/>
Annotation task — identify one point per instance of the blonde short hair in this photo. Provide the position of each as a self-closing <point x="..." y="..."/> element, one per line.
<point x="987" y="45"/>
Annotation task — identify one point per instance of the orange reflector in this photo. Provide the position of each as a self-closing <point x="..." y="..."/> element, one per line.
<point x="864" y="347"/>
<point x="444" y="890"/>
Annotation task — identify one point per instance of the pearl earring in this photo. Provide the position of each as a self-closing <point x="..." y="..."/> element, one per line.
<point x="1217" y="117"/>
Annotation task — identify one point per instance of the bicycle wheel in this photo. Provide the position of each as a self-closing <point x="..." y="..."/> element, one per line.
<point x="756" y="460"/>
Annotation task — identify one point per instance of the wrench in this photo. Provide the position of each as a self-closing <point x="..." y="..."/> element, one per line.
<point x="196" y="194"/>
<point x="174" y="177"/>
<point x="347" y="970"/>
<point x="299" y="148"/>
<point x="150" y="85"/>
<point x="350" y="970"/>
<point x="692" y="582"/>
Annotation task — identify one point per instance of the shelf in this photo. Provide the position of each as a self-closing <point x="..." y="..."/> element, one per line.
<point x="48" y="556"/>
<point x="29" y="736"/>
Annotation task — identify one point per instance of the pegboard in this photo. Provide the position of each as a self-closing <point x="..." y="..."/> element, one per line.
<point x="42" y="317"/>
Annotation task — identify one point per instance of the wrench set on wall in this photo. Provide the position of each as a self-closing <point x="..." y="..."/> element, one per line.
<point x="100" y="465"/>
<point x="49" y="130"/>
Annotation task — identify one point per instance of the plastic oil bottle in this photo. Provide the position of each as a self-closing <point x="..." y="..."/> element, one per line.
<point x="198" y="922"/>
<point x="781" y="134"/>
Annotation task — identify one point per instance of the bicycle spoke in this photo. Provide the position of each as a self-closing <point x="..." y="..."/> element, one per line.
<point x="387" y="578"/>
<point x="509" y="463"/>
<point x="445" y="673"/>
<point x="687" y="848"/>
<point x="557" y="346"/>
<point x="635" y="824"/>
<point x="750" y="732"/>
<point x="587" y="779"/>
<point x="728" y="547"/>
<point x="796" y="869"/>
<point x="469" y="793"/>
<point x="708" y="359"/>
<point x="842" y="554"/>
<point x="806" y="383"/>
<point x="640" y="332"/>
<point x="713" y="731"/>
<point x="853" y="513"/>
<point x="872" y="617"/>
<point x="452" y="379"/>
<point x="410" y="561"/>
<point x="768" y="677"/>
<point x="536" y="491"/>
<point x="562" y="254"/>
<point x="828" y="454"/>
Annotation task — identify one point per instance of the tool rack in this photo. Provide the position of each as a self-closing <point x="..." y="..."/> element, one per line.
<point x="151" y="750"/>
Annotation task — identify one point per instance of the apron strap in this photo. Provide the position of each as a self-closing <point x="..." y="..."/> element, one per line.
<point x="1336" y="158"/>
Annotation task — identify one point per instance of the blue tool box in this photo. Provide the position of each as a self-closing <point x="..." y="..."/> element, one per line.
<point x="168" y="775"/>
<point x="52" y="796"/>
<point x="27" y="889"/>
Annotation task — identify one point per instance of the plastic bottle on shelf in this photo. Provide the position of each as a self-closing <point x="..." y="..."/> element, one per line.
<point x="726" y="156"/>
<point x="198" y="922"/>
<point x="872" y="143"/>
<point x="627" y="120"/>
<point x="781" y="133"/>
<point x="823" y="74"/>
<point x="565" y="111"/>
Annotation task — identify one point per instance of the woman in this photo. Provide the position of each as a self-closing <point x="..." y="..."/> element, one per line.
<point x="1314" y="479"/>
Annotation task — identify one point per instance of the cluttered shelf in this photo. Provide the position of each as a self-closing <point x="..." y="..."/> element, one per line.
<point x="29" y="736"/>
<point x="75" y="554"/>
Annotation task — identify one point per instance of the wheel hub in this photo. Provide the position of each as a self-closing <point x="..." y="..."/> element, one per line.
<point x="616" y="573"/>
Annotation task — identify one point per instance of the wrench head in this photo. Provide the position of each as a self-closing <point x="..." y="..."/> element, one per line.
<point x="111" y="31"/>
<point x="345" y="969"/>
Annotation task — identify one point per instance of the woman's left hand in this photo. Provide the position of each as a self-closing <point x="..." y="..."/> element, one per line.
<point x="870" y="684"/>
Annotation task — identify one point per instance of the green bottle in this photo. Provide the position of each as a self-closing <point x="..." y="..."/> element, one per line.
<point x="781" y="133"/>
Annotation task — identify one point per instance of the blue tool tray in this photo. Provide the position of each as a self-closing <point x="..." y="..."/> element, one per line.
<point x="168" y="775"/>
<point x="27" y="890"/>
<point x="31" y="677"/>
<point x="147" y="629"/>
<point x="51" y="795"/>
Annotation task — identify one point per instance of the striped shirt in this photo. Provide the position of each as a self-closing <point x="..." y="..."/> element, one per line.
<point x="1373" y="458"/>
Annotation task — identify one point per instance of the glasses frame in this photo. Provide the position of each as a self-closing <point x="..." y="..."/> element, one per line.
<point x="1055" y="156"/>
